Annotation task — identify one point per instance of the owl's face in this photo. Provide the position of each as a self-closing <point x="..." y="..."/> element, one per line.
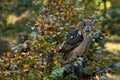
<point x="88" y="25"/>
<point x="85" y="25"/>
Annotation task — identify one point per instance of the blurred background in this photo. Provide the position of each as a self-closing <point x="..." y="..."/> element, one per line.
<point x="21" y="21"/>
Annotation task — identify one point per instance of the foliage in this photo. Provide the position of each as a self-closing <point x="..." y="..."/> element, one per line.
<point x="113" y="18"/>
<point x="42" y="26"/>
<point x="20" y="67"/>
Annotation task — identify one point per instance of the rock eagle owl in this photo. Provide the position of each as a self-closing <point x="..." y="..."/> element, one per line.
<point x="78" y="41"/>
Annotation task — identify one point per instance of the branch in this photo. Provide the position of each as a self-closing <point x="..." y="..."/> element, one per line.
<point x="72" y="67"/>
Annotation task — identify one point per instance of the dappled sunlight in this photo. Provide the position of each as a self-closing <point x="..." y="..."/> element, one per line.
<point x="113" y="44"/>
<point x="12" y="18"/>
<point x="108" y="5"/>
<point x="112" y="47"/>
<point x="114" y="37"/>
<point x="109" y="76"/>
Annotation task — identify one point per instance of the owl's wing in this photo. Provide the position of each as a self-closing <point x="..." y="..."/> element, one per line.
<point x="73" y="39"/>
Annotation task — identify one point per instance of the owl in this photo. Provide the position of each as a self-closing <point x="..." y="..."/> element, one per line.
<point x="78" y="41"/>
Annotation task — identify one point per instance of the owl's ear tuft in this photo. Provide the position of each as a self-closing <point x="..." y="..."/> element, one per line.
<point x="81" y="25"/>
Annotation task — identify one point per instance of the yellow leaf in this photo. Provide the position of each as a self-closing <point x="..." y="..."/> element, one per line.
<point x="59" y="2"/>
<point x="42" y="37"/>
<point x="39" y="20"/>
<point x="16" y="54"/>
<point x="57" y="13"/>
<point x="9" y="54"/>
<point x="19" y="57"/>
<point x="55" y="62"/>
<point x="26" y="65"/>
<point x="43" y="66"/>
<point x="45" y="2"/>
<point x="11" y="19"/>
<point x="6" y="73"/>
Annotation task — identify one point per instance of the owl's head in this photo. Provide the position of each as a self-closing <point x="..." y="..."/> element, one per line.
<point x="85" y="25"/>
